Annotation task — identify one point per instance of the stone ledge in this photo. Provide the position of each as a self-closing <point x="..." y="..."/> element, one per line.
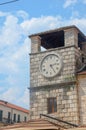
<point x="54" y="85"/>
<point x="64" y="47"/>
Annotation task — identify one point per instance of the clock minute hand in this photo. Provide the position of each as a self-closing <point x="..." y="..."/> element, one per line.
<point x="54" y="64"/>
<point x="52" y="67"/>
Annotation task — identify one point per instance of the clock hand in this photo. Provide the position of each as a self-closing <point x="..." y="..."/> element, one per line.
<point x="53" y="64"/>
<point x="52" y="67"/>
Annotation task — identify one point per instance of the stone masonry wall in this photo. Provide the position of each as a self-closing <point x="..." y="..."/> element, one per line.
<point x="68" y="55"/>
<point x="58" y="86"/>
<point x="67" y="107"/>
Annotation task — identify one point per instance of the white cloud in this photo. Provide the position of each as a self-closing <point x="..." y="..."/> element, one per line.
<point x="22" y="14"/>
<point x="79" y="23"/>
<point x="84" y="1"/>
<point x="11" y="31"/>
<point x="25" y="99"/>
<point x="2" y="14"/>
<point x="42" y="23"/>
<point x="13" y="95"/>
<point x="14" y="49"/>
<point x="10" y="94"/>
<point x="74" y="15"/>
<point x="69" y="3"/>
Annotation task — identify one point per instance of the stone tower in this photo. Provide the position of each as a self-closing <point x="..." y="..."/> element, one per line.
<point x="53" y="77"/>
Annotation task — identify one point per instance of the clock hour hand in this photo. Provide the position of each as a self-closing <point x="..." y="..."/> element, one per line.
<point x="52" y="67"/>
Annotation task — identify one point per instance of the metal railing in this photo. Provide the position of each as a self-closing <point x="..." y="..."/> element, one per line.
<point x="59" y="120"/>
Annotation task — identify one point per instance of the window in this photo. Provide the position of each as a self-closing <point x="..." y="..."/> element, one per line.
<point x="52" y="105"/>
<point x="1" y="115"/>
<point x="9" y="117"/>
<point x="18" y="118"/>
<point x="25" y="119"/>
<point x="14" y="118"/>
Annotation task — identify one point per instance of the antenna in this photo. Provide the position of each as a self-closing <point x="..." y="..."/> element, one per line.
<point x="8" y="2"/>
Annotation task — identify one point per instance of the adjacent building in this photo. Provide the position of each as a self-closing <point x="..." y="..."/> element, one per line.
<point x="11" y="113"/>
<point x="58" y="74"/>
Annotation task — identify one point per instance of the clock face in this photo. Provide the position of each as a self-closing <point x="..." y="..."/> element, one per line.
<point x="51" y="65"/>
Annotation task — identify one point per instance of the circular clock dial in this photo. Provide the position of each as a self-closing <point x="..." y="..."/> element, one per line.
<point x="51" y="65"/>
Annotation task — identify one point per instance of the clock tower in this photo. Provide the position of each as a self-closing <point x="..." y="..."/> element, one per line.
<point x="54" y="61"/>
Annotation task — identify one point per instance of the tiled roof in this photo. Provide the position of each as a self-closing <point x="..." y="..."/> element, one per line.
<point x="9" y="105"/>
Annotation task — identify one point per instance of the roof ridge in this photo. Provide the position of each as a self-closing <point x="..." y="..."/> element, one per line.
<point x="7" y="104"/>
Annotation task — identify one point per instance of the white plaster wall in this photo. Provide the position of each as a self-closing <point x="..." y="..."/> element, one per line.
<point x="14" y="111"/>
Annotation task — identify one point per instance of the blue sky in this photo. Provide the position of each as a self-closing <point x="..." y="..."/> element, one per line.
<point x="17" y="21"/>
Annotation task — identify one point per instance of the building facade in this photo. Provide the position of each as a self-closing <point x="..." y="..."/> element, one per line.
<point x="10" y="113"/>
<point x="53" y="73"/>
